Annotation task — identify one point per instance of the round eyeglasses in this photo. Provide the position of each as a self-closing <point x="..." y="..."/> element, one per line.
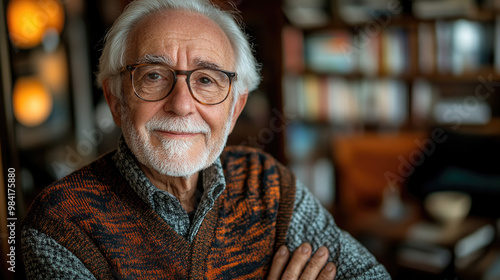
<point x="154" y="82"/>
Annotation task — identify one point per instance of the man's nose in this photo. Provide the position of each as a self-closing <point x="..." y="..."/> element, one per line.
<point x="180" y="101"/>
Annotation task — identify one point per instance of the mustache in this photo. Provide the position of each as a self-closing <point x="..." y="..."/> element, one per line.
<point x="177" y="124"/>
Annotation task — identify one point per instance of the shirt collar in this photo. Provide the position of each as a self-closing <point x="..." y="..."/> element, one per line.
<point x="213" y="179"/>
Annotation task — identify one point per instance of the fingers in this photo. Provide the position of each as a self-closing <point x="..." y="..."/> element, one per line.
<point x="328" y="272"/>
<point x="315" y="265"/>
<point x="279" y="263"/>
<point x="302" y="265"/>
<point x="298" y="262"/>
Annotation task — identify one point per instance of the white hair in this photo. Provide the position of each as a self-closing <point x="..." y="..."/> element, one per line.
<point x="112" y="59"/>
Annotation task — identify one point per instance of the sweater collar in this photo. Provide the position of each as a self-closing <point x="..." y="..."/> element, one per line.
<point x="213" y="180"/>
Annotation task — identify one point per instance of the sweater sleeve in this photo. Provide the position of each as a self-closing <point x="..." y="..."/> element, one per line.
<point x="312" y="223"/>
<point x="44" y="258"/>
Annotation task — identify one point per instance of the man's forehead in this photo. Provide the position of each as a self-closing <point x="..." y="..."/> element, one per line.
<point x="160" y="37"/>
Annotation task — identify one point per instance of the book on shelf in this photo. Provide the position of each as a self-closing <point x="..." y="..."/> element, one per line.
<point x="426" y="9"/>
<point x="330" y="51"/>
<point x="312" y="93"/>
<point x="444" y="46"/>
<point x="472" y="45"/>
<point x="424" y="95"/>
<point x="306" y="13"/>
<point x="391" y="102"/>
<point x="368" y="51"/>
<point x="293" y="49"/>
<point x="426" y="48"/>
<point x="395" y="51"/>
<point x="342" y="101"/>
<point x="362" y="11"/>
<point x="464" y="46"/>
<point x="364" y="93"/>
<point x="434" y="247"/>
<point x="479" y="114"/>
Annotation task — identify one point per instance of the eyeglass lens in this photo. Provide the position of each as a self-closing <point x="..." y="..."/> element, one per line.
<point x="154" y="82"/>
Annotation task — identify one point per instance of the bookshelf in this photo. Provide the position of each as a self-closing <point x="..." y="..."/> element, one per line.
<point x="407" y="64"/>
<point x="388" y="67"/>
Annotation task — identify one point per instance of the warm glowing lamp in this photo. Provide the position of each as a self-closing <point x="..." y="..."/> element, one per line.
<point x="54" y="12"/>
<point x="28" y="20"/>
<point x="32" y="102"/>
<point x="25" y="28"/>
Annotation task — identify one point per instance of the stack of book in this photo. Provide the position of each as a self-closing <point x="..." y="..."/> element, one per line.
<point x="436" y="248"/>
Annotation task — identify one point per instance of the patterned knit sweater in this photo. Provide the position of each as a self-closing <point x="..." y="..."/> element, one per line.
<point x="97" y="216"/>
<point x="52" y="254"/>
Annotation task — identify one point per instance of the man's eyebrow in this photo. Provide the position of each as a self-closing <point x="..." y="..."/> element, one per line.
<point x="153" y="58"/>
<point x="207" y="64"/>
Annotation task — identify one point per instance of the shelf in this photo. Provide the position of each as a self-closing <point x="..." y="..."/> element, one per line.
<point x="405" y="20"/>
<point x="433" y="77"/>
<point x="471" y="77"/>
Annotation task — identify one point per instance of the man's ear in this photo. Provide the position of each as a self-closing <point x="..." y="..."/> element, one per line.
<point x="113" y="103"/>
<point x="238" y="108"/>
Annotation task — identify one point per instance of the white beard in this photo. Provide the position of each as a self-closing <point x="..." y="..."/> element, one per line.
<point x="176" y="158"/>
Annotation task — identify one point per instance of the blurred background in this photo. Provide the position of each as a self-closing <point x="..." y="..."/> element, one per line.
<point x="388" y="110"/>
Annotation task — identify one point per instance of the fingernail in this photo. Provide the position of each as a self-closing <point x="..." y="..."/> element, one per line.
<point x="321" y="252"/>
<point x="282" y="251"/>
<point x="304" y="249"/>
<point x="329" y="267"/>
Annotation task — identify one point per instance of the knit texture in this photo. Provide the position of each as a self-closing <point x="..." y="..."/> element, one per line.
<point x="312" y="223"/>
<point x="97" y="216"/>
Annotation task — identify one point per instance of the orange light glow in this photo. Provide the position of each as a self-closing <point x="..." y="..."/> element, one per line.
<point x="28" y="20"/>
<point x="55" y="13"/>
<point x="52" y="70"/>
<point x="32" y="102"/>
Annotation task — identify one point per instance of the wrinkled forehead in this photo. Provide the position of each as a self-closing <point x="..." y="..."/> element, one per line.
<point x="182" y="38"/>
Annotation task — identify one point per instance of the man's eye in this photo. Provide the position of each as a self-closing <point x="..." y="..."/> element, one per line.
<point x="205" y="81"/>
<point x="154" y="76"/>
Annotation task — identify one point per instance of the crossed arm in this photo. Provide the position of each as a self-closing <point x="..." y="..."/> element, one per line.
<point x="58" y="262"/>
<point x="313" y="228"/>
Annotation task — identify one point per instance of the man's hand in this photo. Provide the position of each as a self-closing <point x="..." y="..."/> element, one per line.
<point x="299" y="267"/>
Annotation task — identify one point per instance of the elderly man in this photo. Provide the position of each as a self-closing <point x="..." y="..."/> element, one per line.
<point x="171" y="202"/>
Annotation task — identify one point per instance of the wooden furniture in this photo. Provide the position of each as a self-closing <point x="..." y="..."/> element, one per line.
<point x="366" y="166"/>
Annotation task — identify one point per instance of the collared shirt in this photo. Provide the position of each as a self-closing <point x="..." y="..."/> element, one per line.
<point x="311" y="222"/>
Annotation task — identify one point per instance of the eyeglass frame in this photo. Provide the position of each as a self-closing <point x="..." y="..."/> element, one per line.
<point x="132" y="67"/>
